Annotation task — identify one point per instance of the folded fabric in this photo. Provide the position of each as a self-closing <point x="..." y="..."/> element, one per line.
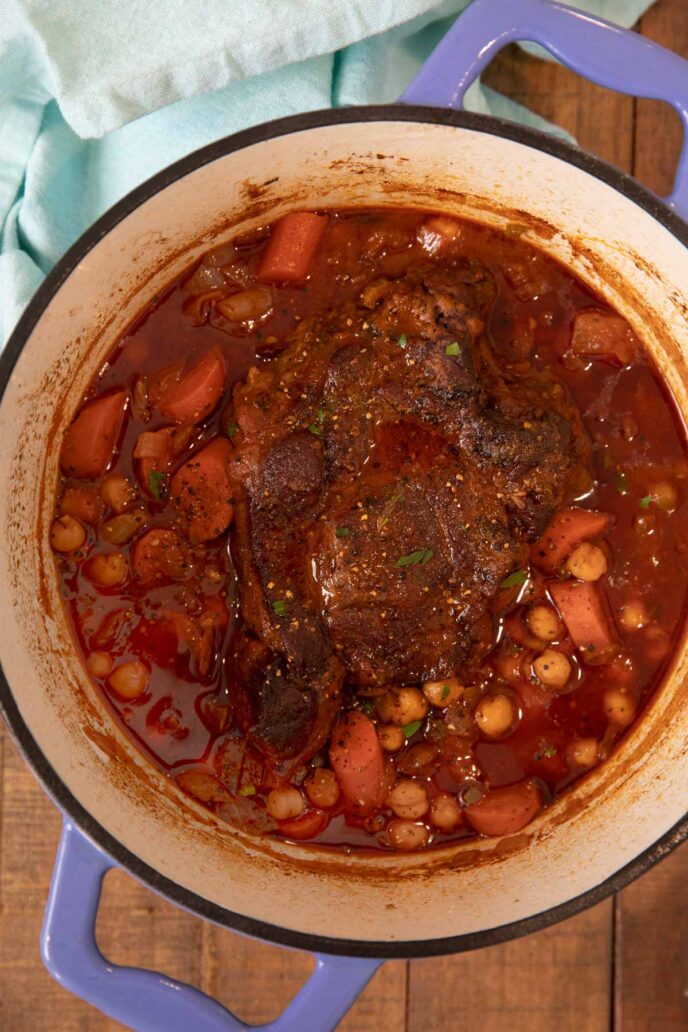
<point x="95" y="98"/>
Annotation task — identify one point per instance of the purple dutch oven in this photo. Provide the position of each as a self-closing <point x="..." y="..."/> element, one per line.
<point x="352" y="911"/>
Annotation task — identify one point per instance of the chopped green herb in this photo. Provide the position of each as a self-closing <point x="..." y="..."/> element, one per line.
<point x="367" y="707"/>
<point x="247" y="790"/>
<point x="315" y="429"/>
<point x="621" y="482"/>
<point x="402" y="342"/>
<point x="157" y="482"/>
<point x="232" y="429"/>
<point x="453" y="349"/>
<point x="410" y="729"/>
<point x="646" y="501"/>
<point x="445" y="692"/>
<point x="422" y="556"/>
<point x="546" y="750"/>
<point x="280" y="607"/>
<point x="388" y="510"/>
<point x="515" y="579"/>
<point x="342" y="531"/>
<point x="321" y="415"/>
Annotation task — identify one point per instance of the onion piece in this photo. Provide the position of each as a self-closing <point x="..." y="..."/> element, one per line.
<point x="206" y="277"/>
<point x="255" y="303"/>
<point x="153" y="444"/>
<point x="198" y="307"/>
<point x="222" y="255"/>
<point x="139" y="399"/>
<point x="238" y="273"/>
<point x="120" y="529"/>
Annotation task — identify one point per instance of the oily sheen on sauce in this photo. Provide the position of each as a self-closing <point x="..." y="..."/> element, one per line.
<point x="372" y="529"/>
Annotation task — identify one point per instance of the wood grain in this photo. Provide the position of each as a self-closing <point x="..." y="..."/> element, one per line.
<point x="651" y="961"/>
<point x="599" y="119"/>
<point x="559" y="979"/>
<point x="622" y="966"/>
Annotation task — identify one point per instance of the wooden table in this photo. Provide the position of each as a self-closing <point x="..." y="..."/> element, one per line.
<point x="622" y="965"/>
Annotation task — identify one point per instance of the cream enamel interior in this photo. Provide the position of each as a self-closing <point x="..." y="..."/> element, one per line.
<point x="588" y="835"/>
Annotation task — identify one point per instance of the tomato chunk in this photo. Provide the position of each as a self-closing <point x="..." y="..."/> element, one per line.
<point x="161" y="556"/>
<point x="198" y="392"/>
<point x="583" y="610"/>
<point x="504" y="811"/>
<point x="291" y="248"/>
<point x="604" y="335"/>
<point x="90" y="441"/>
<point x="303" y="827"/>
<point x="357" y="760"/>
<point x="568" y="528"/>
<point x="202" y="491"/>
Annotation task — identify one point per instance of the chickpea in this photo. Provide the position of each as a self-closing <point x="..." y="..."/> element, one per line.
<point x="66" y="534"/>
<point x="100" y="664"/>
<point x="544" y="623"/>
<point x="445" y="812"/>
<point x="129" y="680"/>
<point x="108" y="569"/>
<point x="117" y="492"/>
<point x="322" y="788"/>
<point x="391" y="737"/>
<point x="552" y="668"/>
<point x="587" y="562"/>
<point x="664" y="494"/>
<point x="407" y="836"/>
<point x="402" y="706"/>
<point x="443" y="693"/>
<point x="409" y="799"/>
<point x="634" y="615"/>
<point x="619" y="706"/>
<point x="285" y="802"/>
<point x="494" y="715"/>
<point x="583" y="753"/>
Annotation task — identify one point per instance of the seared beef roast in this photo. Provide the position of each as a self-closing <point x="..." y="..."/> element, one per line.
<point x="389" y="474"/>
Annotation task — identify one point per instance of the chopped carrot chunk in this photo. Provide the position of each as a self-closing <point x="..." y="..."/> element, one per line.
<point x="291" y="248"/>
<point x="90" y="441"/>
<point x="357" y="760"/>
<point x="83" y="503"/>
<point x="504" y="811"/>
<point x="202" y="491"/>
<point x="568" y="528"/>
<point x="583" y="610"/>
<point x="198" y="392"/>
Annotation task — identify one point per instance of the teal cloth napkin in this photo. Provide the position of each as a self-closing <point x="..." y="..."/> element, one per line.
<point x="96" y="96"/>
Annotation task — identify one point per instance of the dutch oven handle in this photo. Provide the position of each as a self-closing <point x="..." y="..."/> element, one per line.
<point x="617" y="58"/>
<point x="151" y="1002"/>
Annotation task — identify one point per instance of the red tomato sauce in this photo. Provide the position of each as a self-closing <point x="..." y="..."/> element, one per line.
<point x="175" y="620"/>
